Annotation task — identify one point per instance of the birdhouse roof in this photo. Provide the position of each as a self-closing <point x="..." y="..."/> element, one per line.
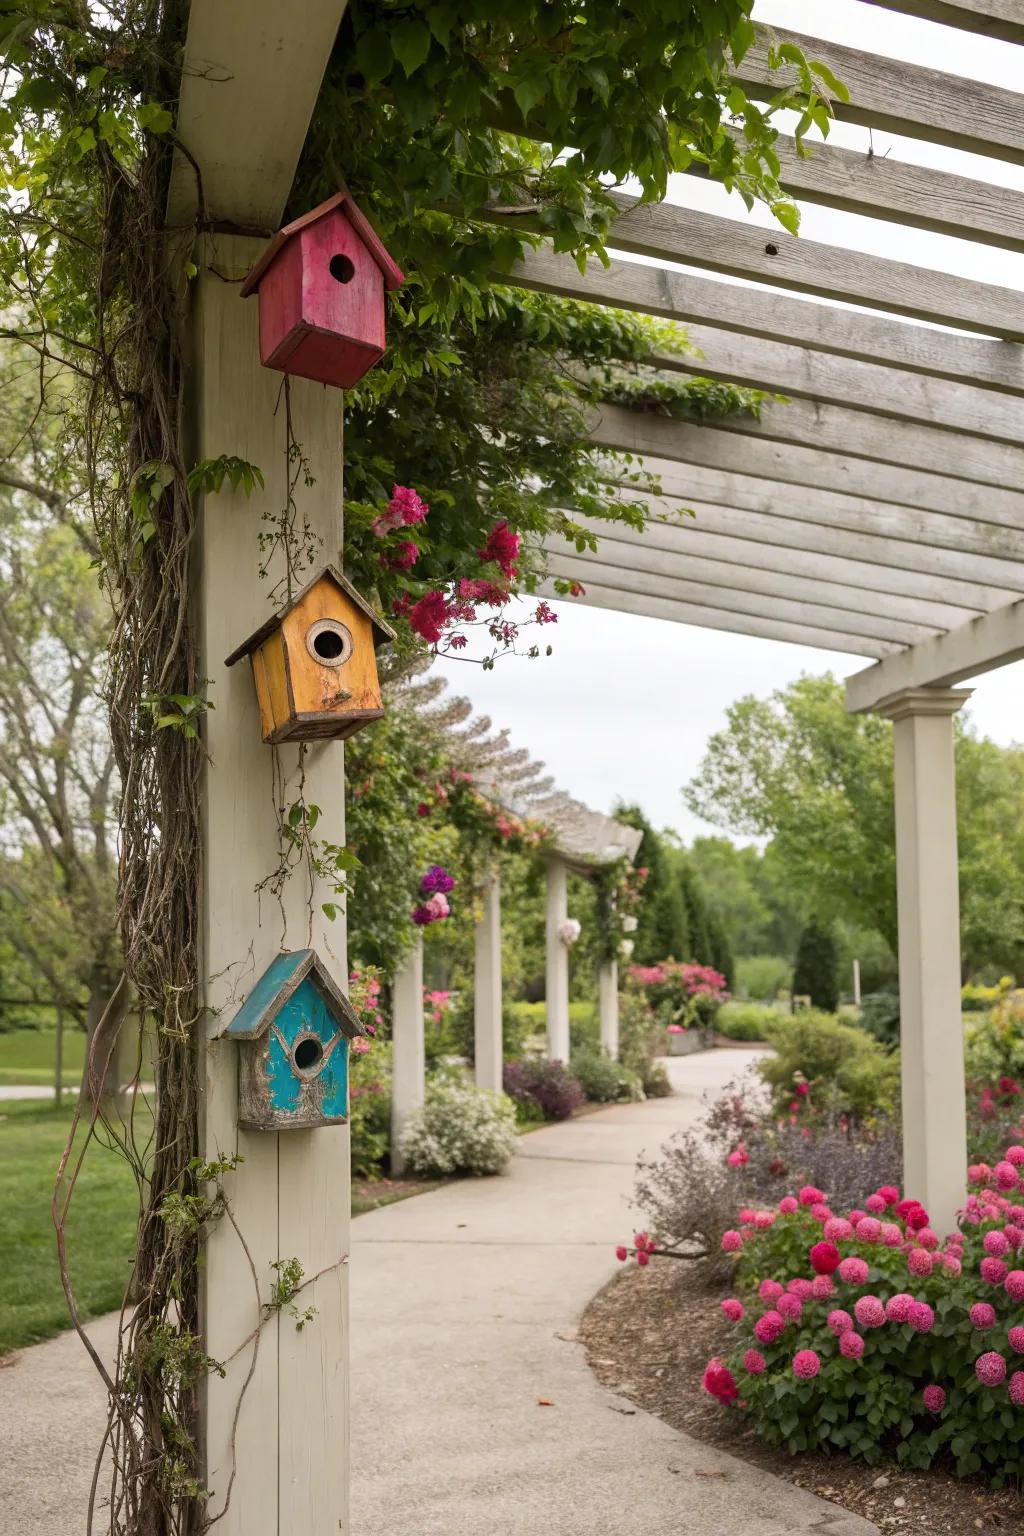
<point x="280" y="981"/>
<point x="381" y="630"/>
<point x="394" y="277"/>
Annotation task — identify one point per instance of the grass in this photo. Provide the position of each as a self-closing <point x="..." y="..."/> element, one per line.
<point x="29" y="1055"/>
<point x="100" y="1232"/>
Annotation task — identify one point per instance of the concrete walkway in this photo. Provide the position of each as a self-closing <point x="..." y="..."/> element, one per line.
<point x="464" y="1309"/>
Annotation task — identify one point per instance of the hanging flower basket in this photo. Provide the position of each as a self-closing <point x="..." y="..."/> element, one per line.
<point x="569" y="932"/>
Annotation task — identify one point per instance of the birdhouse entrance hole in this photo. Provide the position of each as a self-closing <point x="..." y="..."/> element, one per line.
<point x="308" y="1054"/>
<point x="329" y="642"/>
<point x="341" y="269"/>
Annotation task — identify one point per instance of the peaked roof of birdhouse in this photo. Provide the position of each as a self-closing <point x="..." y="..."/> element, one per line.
<point x="393" y="275"/>
<point x="382" y="631"/>
<point x="280" y="981"/>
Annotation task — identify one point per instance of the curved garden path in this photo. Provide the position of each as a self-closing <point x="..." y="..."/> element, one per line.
<point x="464" y="1308"/>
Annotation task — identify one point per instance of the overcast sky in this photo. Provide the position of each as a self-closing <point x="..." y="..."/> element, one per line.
<point x="625" y="704"/>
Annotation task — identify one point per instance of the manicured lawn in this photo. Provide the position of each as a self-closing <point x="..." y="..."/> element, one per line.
<point x="101" y="1226"/>
<point x="28" y="1055"/>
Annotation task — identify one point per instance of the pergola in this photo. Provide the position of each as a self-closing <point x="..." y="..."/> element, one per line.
<point x="880" y="511"/>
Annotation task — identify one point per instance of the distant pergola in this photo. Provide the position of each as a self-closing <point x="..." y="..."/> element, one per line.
<point x="881" y="511"/>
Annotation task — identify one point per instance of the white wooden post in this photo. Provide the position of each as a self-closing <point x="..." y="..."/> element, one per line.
<point x="608" y="1007"/>
<point x="557" y="969"/>
<point x="408" y="1058"/>
<point x="856" y="983"/>
<point x="285" y="1458"/>
<point x="487" y="1037"/>
<point x="931" y="1028"/>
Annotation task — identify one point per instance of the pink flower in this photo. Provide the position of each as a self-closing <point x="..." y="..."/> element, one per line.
<point x="360" y="1045"/>
<point x="406" y="505"/>
<point x="763" y="1220"/>
<point x="993" y="1270"/>
<point x="990" y="1369"/>
<point x="951" y="1263"/>
<point x="837" y="1229"/>
<point x="934" y="1399"/>
<point x="892" y="1237"/>
<point x="839" y="1321"/>
<point x="404" y="555"/>
<point x="996" y="1244"/>
<point x="890" y="1194"/>
<point x="856" y="1216"/>
<point x="739" y="1157"/>
<point x="1015" y="1155"/>
<point x="733" y="1309"/>
<point x="643" y="1258"/>
<point x="825" y="1258"/>
<point x="869" y="1311"/>
<point x="821" y="1212"/>
<point x="754" y="1362"/>
<point x="806" y="1364"/>
<point x="1014" y="1234"/>
<point x="811" y="1196"/>
<point x="787" y="1205"/>
<point x="720" y="1382"/>
<point x="919" y="1262"/>
<point x="875" y="1204"/>
<point x="851" y="1345"/>
<point x="982" y="1315"/>
<point x="438" y="906"/>
<point x="822" y="1287"/>
<point x="853" y="1270"/>
<point x="1016" y="1388"/>
<point x="869" y="1229"/>
<point x="898" y="1307"/>
<point x="622" y="1253"/>
<point x="732" y="1241"/>
<point x="1006" y="1175"/>
<point x="927" y="1238"/>
<point x="1014" y="1285"/>
<point x="769" y="1290"/>
<point x="769" y="1327"/>
<point x="921" y="1318"/>
<point x="1016" y="1339"/>
<point x="429" y="616"/>
<point x="790" y="1307"/>
<point x="800" y="1287"/>
<point x="978" y="1173"/>
<point x="503" y="548"/>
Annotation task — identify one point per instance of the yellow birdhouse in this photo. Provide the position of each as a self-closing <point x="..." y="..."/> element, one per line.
<point x="314" y="663"/>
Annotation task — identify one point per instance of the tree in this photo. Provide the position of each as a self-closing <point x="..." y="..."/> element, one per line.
<point x="817" y="968"/>
<point x="662" y="921"/>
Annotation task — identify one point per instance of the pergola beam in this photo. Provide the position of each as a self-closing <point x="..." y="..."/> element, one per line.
<point x="718" y="447"/>
<point x="757" y="312"/>
<point x="994" y="640"/>
<point x="901" y="98"/>
<point x="1001" y="19"/>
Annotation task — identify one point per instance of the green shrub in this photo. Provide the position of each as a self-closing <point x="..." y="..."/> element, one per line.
<point x="816" y="973"/>
<point x="549" y="1085"/>
<point x="459" y="1129"/>
<point x="746" y="1021"/>
<point x="369" y="1114"/>
<point x="994" y="1042"/>
<point x="522" y="1022"/>
<point x="603" y="1080"/>
<point x="763" y="977"/>
<point x="880" y="1016"/>
<point x="827" y="1067"/>
<point x="655" y="1081"/>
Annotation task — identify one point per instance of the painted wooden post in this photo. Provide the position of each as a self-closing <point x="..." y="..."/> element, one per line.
<point x="931" y="1028"/>
<point x="608" y="1007"/>
<point x="487" y="1005"/>
<point x="408" y="1059"/>
<point x="557" y="968"/>
<point x="856" y="983"/>
<point x="286" y="1458"/>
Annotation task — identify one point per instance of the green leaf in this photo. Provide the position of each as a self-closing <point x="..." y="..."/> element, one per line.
<point x="410" y="41"/>
<point x="835" y="85"/>
<point x="329" y="911"/>
<point x="528" y="92"/>
<point x="374" y="54"/>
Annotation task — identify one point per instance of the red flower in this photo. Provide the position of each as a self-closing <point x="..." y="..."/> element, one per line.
<point x="479" y="590"/>
<point x="720" y="1382"/>
<point x="503" y="548"/>
<point x="577" y="589"/>
<point x="404" y="555"/>
<point x="429" y="616"/>
<point x="825" y="1258"/>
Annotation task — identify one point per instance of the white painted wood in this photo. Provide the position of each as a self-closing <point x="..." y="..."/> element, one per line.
<point x="799" y="607"/>
<point x="901" y="98"/>
<point x="634" y="556"/>
<point x="556" y="990"/>
<point x="931" y="1028"/>
<point x="290" y="1197"/>
<point x="757" y="311"/>
<point x="608" y="1007"/>
<point x="856" y="983"/>
<point x="708" y="617"/>
<point x="658" y="437"/>
<point x="487" y="999"/>
<point x="668" y="232"/>
<point x="985" y="643"/>
<point x="1002" y="19"/>
<point x="250" y="79"/>
<point x="408" y="1052"/>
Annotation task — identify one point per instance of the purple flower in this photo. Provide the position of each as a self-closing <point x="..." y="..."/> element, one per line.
<point x="436" y="881"/>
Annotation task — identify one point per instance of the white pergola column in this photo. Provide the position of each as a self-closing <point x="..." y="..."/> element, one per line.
<point x="287" y="1467"/>
<point x="487" y="1038"/>
<point x="408" y="1055"/>
<point x="557" y="968"/>
<point x="608" y="1007"/>
<point x="927" y="879"/>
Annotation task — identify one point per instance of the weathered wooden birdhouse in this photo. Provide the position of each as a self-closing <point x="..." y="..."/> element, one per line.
<point x="315" y="664"/>
<point x="293" y="1032"/>
<point x="321" y="284"/>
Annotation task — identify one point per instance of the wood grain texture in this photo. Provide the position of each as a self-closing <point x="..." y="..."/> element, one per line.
<point x="316" y="688"/>
<point x="658" y="437"/>
<point x="992" y="641"/>
<point x="757" y="312"/>
<point x="290" y="1200"/>
<point x="1002" y="19"/>
<point x="668" y="232"/>
<point x="901" y="98"/>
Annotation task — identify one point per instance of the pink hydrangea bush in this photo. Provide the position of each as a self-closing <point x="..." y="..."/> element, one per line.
<point x="914" y="1350"/>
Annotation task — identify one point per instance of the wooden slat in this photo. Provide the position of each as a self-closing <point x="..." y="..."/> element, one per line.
<point x="980" y="646"/>
<point x="799" y="607"/>
<point x="901" y="98"/>
<point x="857" y="592"/>
<point x="967" y="360"/>
<point x="659" y="437"/>
<point x="1001" y="19"/>
<point x="668" y="232"/>
<point x="708" y="617"/>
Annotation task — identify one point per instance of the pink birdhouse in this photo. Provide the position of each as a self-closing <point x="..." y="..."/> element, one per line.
<point x="321" y="284"/>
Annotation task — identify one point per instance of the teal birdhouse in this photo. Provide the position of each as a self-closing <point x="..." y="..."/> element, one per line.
<point x="293" y="1032"/>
